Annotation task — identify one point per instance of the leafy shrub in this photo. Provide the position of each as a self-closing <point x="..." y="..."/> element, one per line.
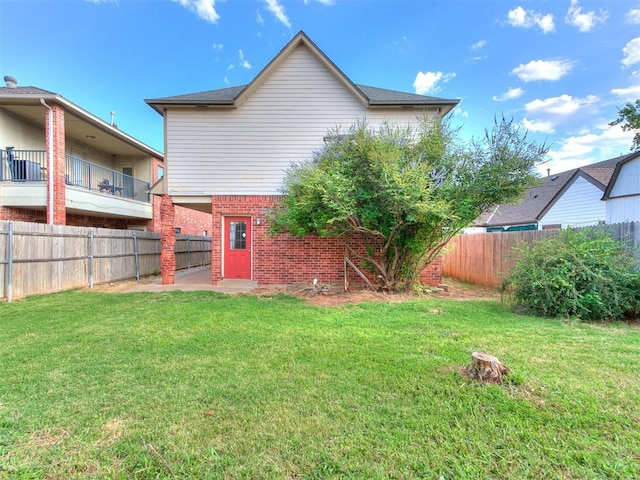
<point x="584" y="274"/>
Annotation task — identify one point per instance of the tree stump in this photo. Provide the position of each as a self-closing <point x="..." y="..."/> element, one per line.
<point x="486" y="368"/>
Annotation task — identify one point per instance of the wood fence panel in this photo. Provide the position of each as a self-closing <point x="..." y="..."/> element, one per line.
<point x="192" y="251"/>
<point x="51" y="258"/>
<point x="486" y="258"/>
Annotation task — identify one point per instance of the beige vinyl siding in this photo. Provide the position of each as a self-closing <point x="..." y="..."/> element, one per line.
<point x="580" y="205"/>
<point x="215" y="151"/>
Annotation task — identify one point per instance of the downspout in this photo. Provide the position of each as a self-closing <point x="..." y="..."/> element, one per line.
<point x="50" y="162"/>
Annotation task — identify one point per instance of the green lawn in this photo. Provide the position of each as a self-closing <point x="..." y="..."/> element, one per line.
<point x="201" y="385"/>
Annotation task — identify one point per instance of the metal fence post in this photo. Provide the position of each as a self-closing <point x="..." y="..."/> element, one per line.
<point x="9" y="276"/>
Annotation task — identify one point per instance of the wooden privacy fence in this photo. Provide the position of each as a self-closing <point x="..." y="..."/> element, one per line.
<point x="37" y="258"/>
<point x="486" y="258"/>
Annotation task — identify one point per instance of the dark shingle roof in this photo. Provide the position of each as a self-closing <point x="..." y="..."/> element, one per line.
<point x="538" y="199"/>
<point x="382" y="96"/>
<point x="222" y="96"/>
<point x="24" y="91"/>
<point x="227" y="96"/>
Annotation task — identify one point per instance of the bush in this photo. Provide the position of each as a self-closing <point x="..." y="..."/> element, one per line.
<point x="584" y="274"/>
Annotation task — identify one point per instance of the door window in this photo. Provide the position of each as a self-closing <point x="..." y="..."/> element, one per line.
<point x="237" y="235"/>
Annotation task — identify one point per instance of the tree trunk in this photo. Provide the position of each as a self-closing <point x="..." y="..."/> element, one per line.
<point x="486" y="368"/>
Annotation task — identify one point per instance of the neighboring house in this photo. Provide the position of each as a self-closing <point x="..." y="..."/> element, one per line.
<point x="100" y="177"/>
<point x="622" y="196"/>
<point x="227" y="151"/>
<point x="567" y="199"/>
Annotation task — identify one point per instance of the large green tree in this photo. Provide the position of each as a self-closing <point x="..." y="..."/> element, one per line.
<point x="405" y="191"/>
<point x="629" y="119"/>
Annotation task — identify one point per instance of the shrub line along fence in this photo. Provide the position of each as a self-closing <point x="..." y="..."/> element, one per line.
<point x="37" y="258"/>
<point x="486" y="258"/>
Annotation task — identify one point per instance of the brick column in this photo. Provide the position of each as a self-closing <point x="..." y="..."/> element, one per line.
<point x="216" y="240"/>
<point x="167" y="241"/>
<point x="432" y="274"/>
<point x="59" y="165"/>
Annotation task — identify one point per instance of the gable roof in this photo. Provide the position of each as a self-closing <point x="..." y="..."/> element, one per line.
<point x="616" y="172"/>
<point x="369" y="96"/>
<point x="537" y="200"/>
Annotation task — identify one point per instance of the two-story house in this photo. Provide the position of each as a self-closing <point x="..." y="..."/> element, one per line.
<point x="226" y="152"/>
<point x="60" y="164"/>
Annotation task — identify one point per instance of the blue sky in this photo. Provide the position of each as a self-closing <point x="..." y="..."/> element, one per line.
<point x="561" y="68"/>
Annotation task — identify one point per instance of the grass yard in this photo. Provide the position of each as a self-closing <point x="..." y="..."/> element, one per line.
<point x="201" y="385"/>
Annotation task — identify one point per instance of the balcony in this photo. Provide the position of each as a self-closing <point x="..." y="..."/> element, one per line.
<point x="89" y="176"/>
<point x="23" y="165"/>
<point x="31" y="166"/>
<point x="92" y="189"/>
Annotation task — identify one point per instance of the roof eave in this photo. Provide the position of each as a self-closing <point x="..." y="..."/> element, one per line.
<point x="159" y="106"/>
<point x="85" y="116"/>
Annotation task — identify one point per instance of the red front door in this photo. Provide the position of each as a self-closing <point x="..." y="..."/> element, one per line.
<point x="237" y="247"/>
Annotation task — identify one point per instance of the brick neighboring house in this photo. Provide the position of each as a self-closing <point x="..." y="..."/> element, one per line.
<point x="226" y="152"/>
<point x="100" y="176"/>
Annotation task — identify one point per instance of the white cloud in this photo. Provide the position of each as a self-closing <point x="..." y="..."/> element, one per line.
<point x="479" y="45"/>
<point x="427" y="82"/>
<point x="259" y="18"/>
<point x="510" y="94"/>
<point x="519" y="17"/>
<point x="324" y="2"/>
<point x="278" y="10"/>
<point x="631" y="52"/>
<point x="538" y="126"/>
<point x="562" y="105"/>
<point x="542" y="70"/>
<point x="584" y="22"/>
<point x="243" y="62"/>
<point x="205" y="9"/>
<point x="218" y="46"/>
<point x="629" y="93"/>
<point x="581" y="150"/>
<point x="226" y="80"/>
<point x="633" y="16"/>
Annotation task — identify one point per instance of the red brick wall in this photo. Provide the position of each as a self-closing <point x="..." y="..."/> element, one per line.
<point x="432" y="275"/>
<point x="190" y="222"/>
<point x="23" y="215"/>
<point x="103" y="222"/>
<point x="283" y="259"/>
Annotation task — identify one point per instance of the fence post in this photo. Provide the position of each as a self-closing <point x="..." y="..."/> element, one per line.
<point x="90" y="258"/>
<point x="135" y="254"/>
<point x="188" y="252"/>
<point x="9" y="275"/>
<point x="204" y="259"/>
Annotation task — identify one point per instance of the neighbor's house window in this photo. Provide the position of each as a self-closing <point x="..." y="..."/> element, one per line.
<point x="177" y="230"/>
<point x="160" y="172"/>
